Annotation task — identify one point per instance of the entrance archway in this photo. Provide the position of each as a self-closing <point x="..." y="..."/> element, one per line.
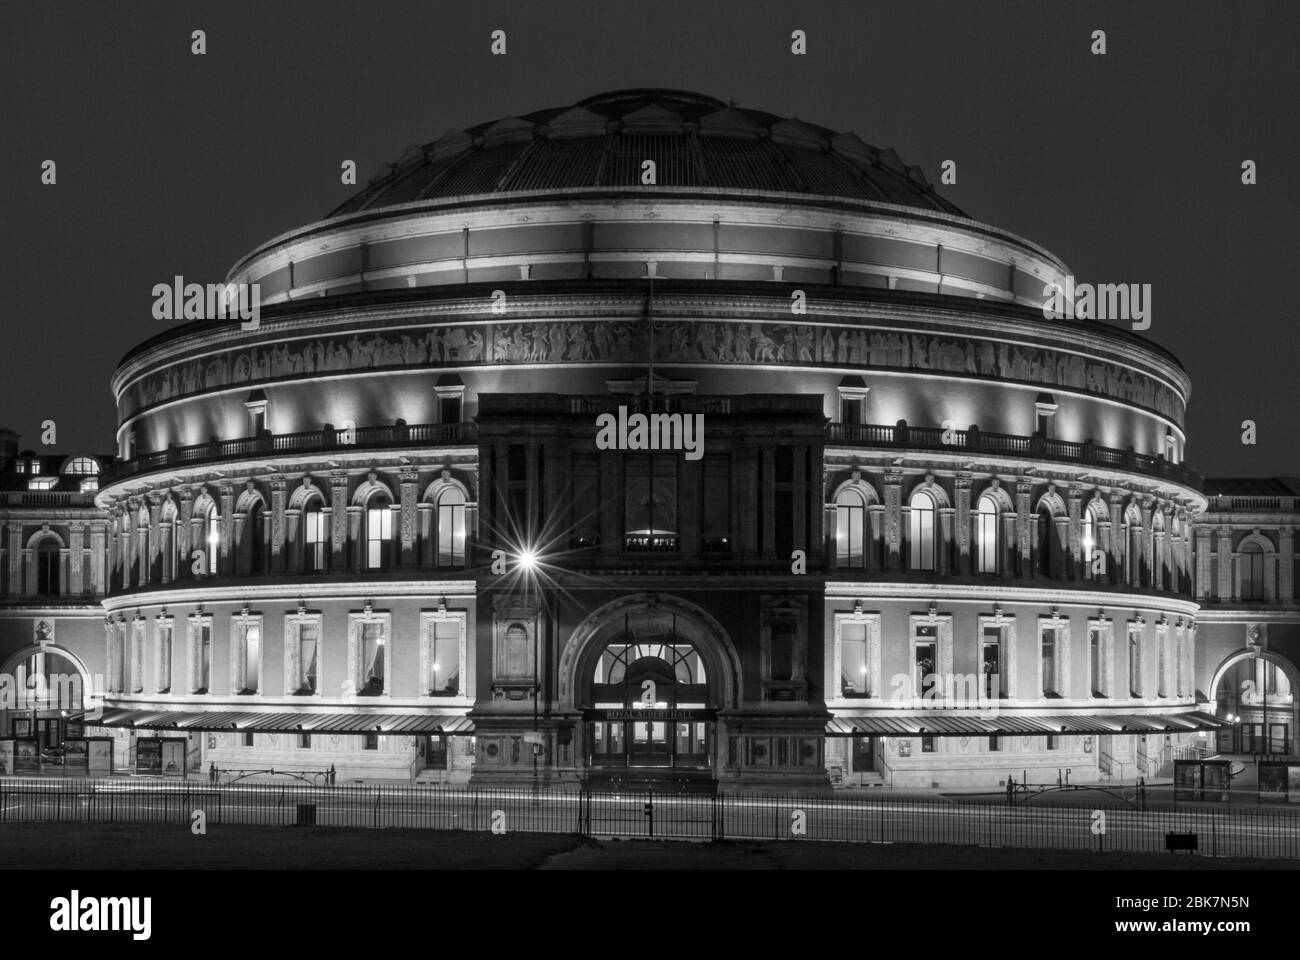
<point x="52" y="688"/>
<point x="648" y="674"/>
<point x="1259" y="689"/>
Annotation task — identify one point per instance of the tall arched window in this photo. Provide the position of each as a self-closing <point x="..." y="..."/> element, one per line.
<point x="47" y="566"/>
<point x="212" y="538"/>
<point x="921" y="524"/>
<point x="850" y="529"/>
<point x="379" y="532"/>
<point x="451" y="528"/>
<point x="1088" y="543"/>
<point x="255" y="537"/>
<point x="1252" y="571"/>
<point x="313" y="536"/>
<point x="1046" y="539"/>
<point x="986" y="535"/>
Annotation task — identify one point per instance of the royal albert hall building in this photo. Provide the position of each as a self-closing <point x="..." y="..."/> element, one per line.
<point x="929" y="538"/>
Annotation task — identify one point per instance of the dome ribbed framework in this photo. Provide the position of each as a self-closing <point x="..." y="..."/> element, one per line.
<point x="696" y="142"/>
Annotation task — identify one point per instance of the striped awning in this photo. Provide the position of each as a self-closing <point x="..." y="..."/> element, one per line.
<point x="954" y="723"/>
<point x="246" y="721"/>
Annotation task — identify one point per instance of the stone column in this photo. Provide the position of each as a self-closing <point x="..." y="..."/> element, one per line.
<point x="893" y="518"/>
<point x="1073" y="499"/>
<point x="227" y="563"/>
<point x="338" y="519"/>
<point x="1024" y="530"/>
<point x="1202" y="585"/>
<point x="409" y="480"/>
<point x="1286" y="573"/>
<point x="73" y="586"/>
<point x="184" y="533"/>
<point x="962" y="523"/>
<point x="277" y="483"/>
<point x="1227" y="590"/>
<point x="154" y="568"/>
<point x="98" y="556"/>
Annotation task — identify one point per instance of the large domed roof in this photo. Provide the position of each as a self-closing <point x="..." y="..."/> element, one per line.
<point x="696" y="141"/>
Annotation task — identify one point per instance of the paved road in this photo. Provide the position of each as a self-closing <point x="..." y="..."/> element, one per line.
<point x="1251" y="833"/>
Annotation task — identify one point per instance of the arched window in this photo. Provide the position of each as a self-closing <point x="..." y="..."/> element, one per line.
<point x="986" y="535"/>
<point x="255" y="539"/>
<point x="313" y="536"/>
<point x="211" y="534"/>
<point x="1046" y="538"/>
<point x="921" y="525"/>
<point x="850" y="529"/>
<point x="451" y="528"/>
<point x="47" y="567"/>
<point x="81" y="467"/>
<point x="379" y="532"/>
<point x="1088" y="543"/>
<point x="1252" y="571"/>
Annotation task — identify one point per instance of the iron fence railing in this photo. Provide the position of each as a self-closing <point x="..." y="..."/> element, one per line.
<point x="1223" y="832"/>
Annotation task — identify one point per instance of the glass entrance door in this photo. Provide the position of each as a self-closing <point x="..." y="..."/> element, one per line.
<point x="648" y="744"/>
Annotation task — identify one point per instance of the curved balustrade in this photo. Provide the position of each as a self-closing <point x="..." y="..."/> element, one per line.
<point x="1038" y="448"/>
<point x="308" y="441"/>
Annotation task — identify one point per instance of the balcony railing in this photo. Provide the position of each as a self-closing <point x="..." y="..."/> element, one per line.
<point x="903" y="436"/>
<point x="46" y="498"/>
<point x="1254" y="504"/>
<point x="309" y="441"/>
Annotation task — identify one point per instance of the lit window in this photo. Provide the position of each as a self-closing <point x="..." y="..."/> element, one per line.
<point x="451" y="528"/>
<point x="855" y="674"/>
<point x="89" y="485"/>
<point x="379" y="533"/>
<point x="850" y="528"/>
<point x="313" y="538"/>
<point x="924" y="660"/>
<point x="42" y="483"/>
<point x="1048" y="653"/>
<point x="921" y="523"/>
<point x="991" y="657"/>
<point x="372" y="659"/>
<point x="82" y="467"/>
<point x="212" y="537"/>
<point x="986" y="535"/>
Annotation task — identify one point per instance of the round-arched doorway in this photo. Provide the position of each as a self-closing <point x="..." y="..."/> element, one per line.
<point x="649" y="676"/>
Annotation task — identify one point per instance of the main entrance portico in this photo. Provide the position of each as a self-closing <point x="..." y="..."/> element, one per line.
<point x="648" y="674"/>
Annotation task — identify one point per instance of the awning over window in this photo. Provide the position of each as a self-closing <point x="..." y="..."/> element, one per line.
<point x="956" y="723"/>
<point x="245" y="721"/>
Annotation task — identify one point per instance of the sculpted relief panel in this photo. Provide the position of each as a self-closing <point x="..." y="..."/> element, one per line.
<point x="682" y="342"/>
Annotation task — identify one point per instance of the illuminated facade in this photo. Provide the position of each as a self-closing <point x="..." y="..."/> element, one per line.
<point x="929" y="537"/>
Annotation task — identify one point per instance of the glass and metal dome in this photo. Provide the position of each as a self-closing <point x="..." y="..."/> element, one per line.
<point x="696" y="141"/>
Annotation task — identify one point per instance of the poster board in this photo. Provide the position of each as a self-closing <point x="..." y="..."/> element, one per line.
<point x="1273" y="782"/>
<point x="6" y="757"/>
<point x="160" y="756"/>
<point x="27" y="755"/>
<point x="99" y="756"/>
<point x="75" y="757"/>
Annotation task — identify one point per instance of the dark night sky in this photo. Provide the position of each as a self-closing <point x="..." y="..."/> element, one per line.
<point x="1126" y="166"/>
